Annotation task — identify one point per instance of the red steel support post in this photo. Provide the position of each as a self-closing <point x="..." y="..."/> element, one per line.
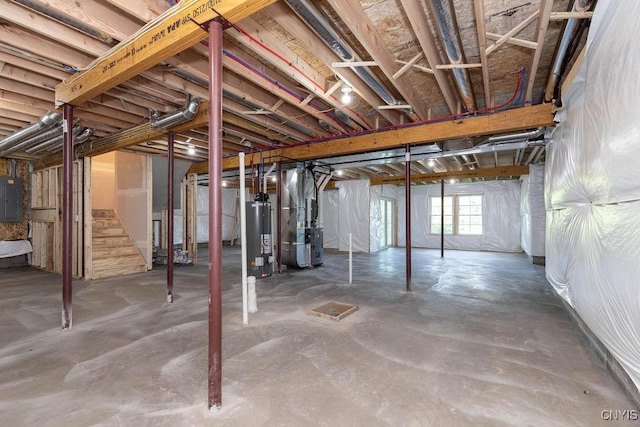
<point x="170" y="218"/>
<point x="67" y="216"/>
<point x="215" y="214"/>
<point x="407" y="186"/>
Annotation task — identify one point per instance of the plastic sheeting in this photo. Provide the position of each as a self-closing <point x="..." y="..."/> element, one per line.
<point x="331" y="218"/>
<point x="9" y="248"/>
<point x="376" y="194"/>
<point x="532" y="211"/>
<point x="501" y="217"/>
<point x="353" y="208"/>
<point x="592" y="187"/>
<point x="229" y="196"/>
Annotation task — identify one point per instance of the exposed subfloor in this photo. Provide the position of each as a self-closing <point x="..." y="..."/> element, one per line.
<point x="481" y="341"/>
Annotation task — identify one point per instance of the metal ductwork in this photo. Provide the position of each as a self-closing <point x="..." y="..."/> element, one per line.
<point x="180" y="116"/>
<point x="55" y="140"/>
<point x="445" y="18"/>
<point x="34" y="140"/>
<point x="271" y="115"/>
<point x="510" y="137"/>
<point x="45" y="122"/>
<point x="79" y="139"/>
<point x="322" y="27"/>
<point x="563" y="47"/>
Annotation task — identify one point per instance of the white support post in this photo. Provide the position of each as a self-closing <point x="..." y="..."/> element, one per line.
<point x="350" y="260"/>
<point x="243" y="242"/>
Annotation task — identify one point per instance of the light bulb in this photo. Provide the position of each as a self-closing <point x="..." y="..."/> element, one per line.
<point x="224" y="183"/>
<point x="431" y="163"/>
<point x="346" y="94"/>
<point x="191" y="150"/>
<point x="273" y="178"/>
<point x="339" y="173"/>
<point x="452" y="181"/>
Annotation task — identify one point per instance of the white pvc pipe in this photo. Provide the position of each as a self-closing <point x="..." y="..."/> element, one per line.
<point x="350" y="261"/>
<point x="266" y="177"/>
<point x="243" y="241"/>
<point x="253" y="297"/>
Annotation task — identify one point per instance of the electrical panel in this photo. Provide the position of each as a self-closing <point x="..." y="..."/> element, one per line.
<point x="11" y="195"/>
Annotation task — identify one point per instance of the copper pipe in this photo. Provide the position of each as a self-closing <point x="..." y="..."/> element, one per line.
<point x="407" y="186"/>
<point x="215" y="214"/>
<point x="67" y="215"/>
<point x="170" y="164"/>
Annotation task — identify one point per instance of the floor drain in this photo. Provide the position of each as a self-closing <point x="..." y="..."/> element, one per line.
<point x="333" y="310"/>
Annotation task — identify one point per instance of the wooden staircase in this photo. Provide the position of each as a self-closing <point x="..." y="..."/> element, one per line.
<point x="114" y="252"/>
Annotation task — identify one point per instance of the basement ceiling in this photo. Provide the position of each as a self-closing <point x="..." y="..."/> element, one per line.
<point x="285" y="68"/>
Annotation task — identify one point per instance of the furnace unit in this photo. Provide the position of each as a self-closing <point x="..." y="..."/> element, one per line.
<point x="259" y="243"/>
<point x="302" y="239"/>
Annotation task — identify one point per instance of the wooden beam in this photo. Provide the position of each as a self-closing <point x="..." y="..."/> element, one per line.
<point x="541" y="32"/>
<point x="515" y="30"/>
<point x="281" y="13"/>
<point x="420" y="24"/>
<point x="559" y="16"/>
<point x="482" y="42"/>
<point x="363" y="29"/>
<point x="163" y="38"/>
<point x="514" y="41"/>
<point x="506" y="121"/>
<point x="474" y="173"/>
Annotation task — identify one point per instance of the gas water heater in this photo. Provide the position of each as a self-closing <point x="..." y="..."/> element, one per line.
<point x="259" y="242"/>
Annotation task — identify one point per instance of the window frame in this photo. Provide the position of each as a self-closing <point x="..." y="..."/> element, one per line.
<point x="456" y="214"/>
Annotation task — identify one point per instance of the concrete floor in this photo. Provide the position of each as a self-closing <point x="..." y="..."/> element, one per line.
<point x="481" y="341"/>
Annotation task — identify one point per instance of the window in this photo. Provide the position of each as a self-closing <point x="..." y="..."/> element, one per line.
<point x="436" y="210"/>
<point x="469" y="214"/>
<point x="462" y="215"/>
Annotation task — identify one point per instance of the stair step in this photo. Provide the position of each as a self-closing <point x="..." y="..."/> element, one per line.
<point x="120" y="271"/>
<point x="103" y="213"/>
<point x="108" y="232"/>
<point x="113" y="251"/>
<point x="106" y="222"/>
<point x="117" y="261"/>
<point x="110" y="241"/>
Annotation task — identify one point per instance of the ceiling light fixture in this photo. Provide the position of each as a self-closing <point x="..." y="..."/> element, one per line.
<point x="273" y="178"/>
<point x="191" y="150"/>
<point x="346" y="94"/>
<point x="224" y="183"/>
<point x="339" y="173"/>
<point x="452" y="181"/>
<point x="431" y="163"/>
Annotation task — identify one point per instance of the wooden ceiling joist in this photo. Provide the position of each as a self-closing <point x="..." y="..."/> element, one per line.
<point x="168" y="35"/>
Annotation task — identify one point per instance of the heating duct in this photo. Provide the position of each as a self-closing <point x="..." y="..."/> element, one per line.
<point x="445" y="19"/>
<point x="563" y="46"/>
<point x="182" y="115"/>
<point x="45" y="122"/>
<point x="319" y="24"/>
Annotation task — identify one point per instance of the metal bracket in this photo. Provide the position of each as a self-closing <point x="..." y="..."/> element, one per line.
<point x="221" y="19"/>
